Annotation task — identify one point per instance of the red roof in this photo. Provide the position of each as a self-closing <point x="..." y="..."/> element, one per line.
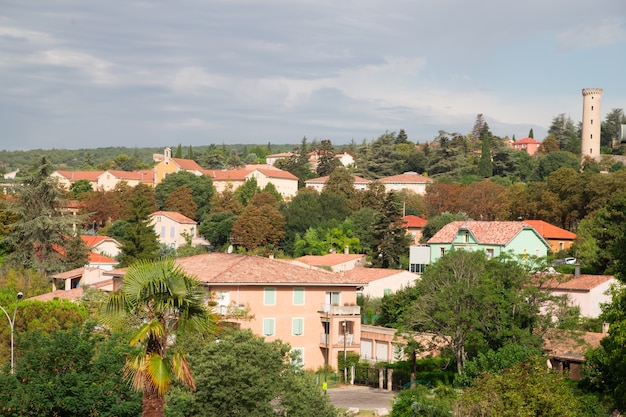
<point x="174" y="215"/>
<point x="72" y="295"/>
<point x="494" y="233"/>
<point x="92" y="241"/>
<point x="407" y="178"/>
<point x="527" y="141"/>
<point x="581" y="283"/>
<point x="372" y="274"/>
<point x="187" y="164"/>
<point x="414" y="222"/>
<point x="549" y="231"/>
<point x="322" y="180"/>
<point x="98" y="258"/>
<point x="242" y="173"/>
<point x="332" y="259"/>
<point x="80" y="175"/>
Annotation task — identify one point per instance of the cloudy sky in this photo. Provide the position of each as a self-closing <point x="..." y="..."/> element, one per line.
<point x="86" y="74"/>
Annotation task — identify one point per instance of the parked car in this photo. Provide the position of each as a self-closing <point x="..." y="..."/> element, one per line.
<point x="570" y="261"/>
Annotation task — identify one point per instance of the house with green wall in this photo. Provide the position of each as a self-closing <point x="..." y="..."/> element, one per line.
<point x="493" y="238"/>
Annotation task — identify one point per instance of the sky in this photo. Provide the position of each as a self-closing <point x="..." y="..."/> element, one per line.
<point x="80" y="74"/>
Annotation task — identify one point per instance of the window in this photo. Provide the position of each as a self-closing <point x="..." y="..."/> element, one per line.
<point x="489" y="253"/>
<point x="333" y="298"/>
<point x="268" y="327"/>
<point x="298" y="296"/>
<point x="269" y="297"/>
<point x="386" y="291"/>
<point x="417" y="268"/>
<point x="162" y="231"/>
<point x="466" y="237"/>
<point x="297" y="356"/>
<point x="561" y="246"/>
<point x="172" y="231"/>
<point x="442" y="251"/>
<point x="297" y="326"/>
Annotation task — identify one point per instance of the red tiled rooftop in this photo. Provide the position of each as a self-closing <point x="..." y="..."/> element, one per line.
<point x="557" y="342"/>
<point x="407" y="178"/>
<point x="80" y="175"/>
<point x="180" y="218"/>
<point x="549" y="231"/>
<point x="368" y="275"/>
<point x="412" y="221"/>
<point x="98" y="258"/>
<point x="72" y="295"/>
<point x="526" y="141"/>
<point x="582" y="283"/>
<point x="322" y="180"/>
<point x="332" y="259"/>
<point x="494" y="233"/>
<point x="187" y="164"/>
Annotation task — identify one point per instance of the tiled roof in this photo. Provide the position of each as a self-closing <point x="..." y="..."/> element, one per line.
<point x="92" y="241"/>
<point x="557" y="342"/>
<point x="72" y="295"/>
<point x="332" y="259"/>
<point x="80" y="175"/>
<point x="187" y="164"/>
<point x="177" y="217"/>
<point x="581" y="283"/>
<point x="527" y="141"/>
<point x="144" y="175"/>
<point x="322" y="180"/>
<point x="492" y="233"/>
<point x="242" y="174"/>
<point x="272" y="172"/>
<point x="412" y="221"/>
<point x="74" y="273"/>
<point x="372" y="274"/>
<point x="98" y="258"/>
<point x="549" y="231"/>
<point x="228" y="269"/>
<point x="407" y="178"/>
<point x="280" y="155"/>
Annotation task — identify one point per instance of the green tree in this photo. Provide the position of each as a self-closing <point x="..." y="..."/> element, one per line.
<point x="522" y="391"/>
<point x="611" y="125"/>
<point x="80" y="187"/>
<point x="390" y="238"/>
<point x="485" y="166"/>
<point x="247" y="190"/>
<point x="181" y="201"/>
<point x="531" y="133"/>
<point x="76" y="253"/>
<point x="563" y="129"/>
<point x="268" y="380"/>
<point x="217" y="227"/>
<point x="341" y="182"/>
<point x="201" y="187"/>
<point x="423" y="401"/>
<point x="41" y="227"/>
<point x="553" y="161"/>
<point x="326" y="162"/>
<point x="139" y="241"/>
<point x="68" y="373"/>
<point x="301" y="213"/>
<point x="226" y="201"/>
<point x="160" y="302"/>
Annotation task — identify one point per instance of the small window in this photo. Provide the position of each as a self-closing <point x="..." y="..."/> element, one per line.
<point x="298" y="296"/>
<point x="268" y="327"/>
<point x="561" y="246"/>
<point x="489" y="253"/>
<point x="172" y="231"/>
<point x="442" y="251"/>
<point x="162" y="231"/>
<point x="269" y="297"/>
<point x="386" y="291"/>
<point x="297" y="326"/>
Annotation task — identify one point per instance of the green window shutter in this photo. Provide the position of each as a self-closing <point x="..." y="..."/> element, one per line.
<point x="269" y="298"/>
<point x="298" y="296"/>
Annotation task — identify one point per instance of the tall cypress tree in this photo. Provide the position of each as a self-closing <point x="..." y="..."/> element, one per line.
<point x="390" y="239"/>
<point x="140" y="241"/>
<point x="485" y="166"/>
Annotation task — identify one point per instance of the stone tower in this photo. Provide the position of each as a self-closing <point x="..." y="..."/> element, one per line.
<point x="592" y="121"/>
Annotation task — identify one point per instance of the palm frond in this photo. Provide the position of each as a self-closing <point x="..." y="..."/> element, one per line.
<point x="159" y="373"/>
<point x="180" y="366"/>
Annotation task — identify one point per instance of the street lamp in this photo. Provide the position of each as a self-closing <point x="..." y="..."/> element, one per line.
<point x="345" y="368"/>
<point x="12" y="325"/>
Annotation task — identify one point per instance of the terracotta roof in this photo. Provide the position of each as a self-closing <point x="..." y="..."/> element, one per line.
<point x="92" y="241"/>
<point x="98" y="258"/>
<point x="177" y="217"/>
<point x="72" y="295"/>
<point x="549" y="231"/>
<point x="280" y="155"/>
<point x="372" y="274"/>
<point x="80" y="175"/>
<point x="74" y="273"/>
<point x="322" y="180"/>
<point x="557" y="342"/>
<point x="242" y="174"/>
<point x="272" y="172"/>
<point x="493" y="233"/>
<point x="527" y="141"/>
<point x="228" y="269"/>
<point x="332" y="259"/>
<point x="582" y="283"/>
<point x="144" y="175"/>
<point x="187" y="164"/>
<point x="412" y="221"/>
<point x="407" y="178"/>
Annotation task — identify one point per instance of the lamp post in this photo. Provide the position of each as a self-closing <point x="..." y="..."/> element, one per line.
<point x="345" y="369"/>
<point x="12" y="325"/>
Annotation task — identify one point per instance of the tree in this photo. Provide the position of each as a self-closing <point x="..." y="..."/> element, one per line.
<point x="217" y="227"/>
<point x="259" y="225"/>
<point x="341" y="182"/>
<point x="41" y="228"/>
<point x="68" y="372"/>
<point x="478" y="126"/>
<point x="475" y="304"/>
<point x="521" y="391"/>
<point x="531" y="134"/>
<point x="181" y="201"/>
<point x="76" y="253"/>
<point x="140" y="240"/>
<point x="327" y="162"/>
<point x="201" y="188"/>
<point x="161" y="302"/>
<point x="79" y="187"/>
<point x="268" y="380"/>
<point x="485" y="166"/>
<point x="390" y="238"/>
<point x="402" y="138"/>
<point x="247" y="190"/>
<point x="611" y="125"/>
<point x="226" y="201"/>
<point x="99" y="208"/>
<point x="553" y="161"/>
<point x="563" y="129"/>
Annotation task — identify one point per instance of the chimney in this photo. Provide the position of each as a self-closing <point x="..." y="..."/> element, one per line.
<point x="346" y="250"/>
<point x="605" y="327"/>
<point x="577" y="270"/>
<point x="271" y="256"/>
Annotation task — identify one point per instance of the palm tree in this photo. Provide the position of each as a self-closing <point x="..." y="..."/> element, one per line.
<point x="162" y="300"/>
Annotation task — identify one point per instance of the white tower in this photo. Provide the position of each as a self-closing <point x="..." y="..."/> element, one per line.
<point x="592" y="121"/>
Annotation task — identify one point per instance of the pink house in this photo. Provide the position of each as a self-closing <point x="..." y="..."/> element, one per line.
<point x="313" y="310"/>
<point x="529" y="145"/>
<point x="586" y="291"/>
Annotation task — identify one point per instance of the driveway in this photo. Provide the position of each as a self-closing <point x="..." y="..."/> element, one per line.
<point x="363" y="398"/>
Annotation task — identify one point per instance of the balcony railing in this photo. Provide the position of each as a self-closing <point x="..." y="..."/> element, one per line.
<point x="230" y="310"/>
<point x="335" y="310"/>
<point x="325" y="338"/>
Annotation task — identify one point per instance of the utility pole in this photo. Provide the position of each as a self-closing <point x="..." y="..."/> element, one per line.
<point x="12" y="325"/>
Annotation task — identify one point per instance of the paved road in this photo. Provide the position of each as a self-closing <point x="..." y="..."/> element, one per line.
<point x="363" y="398"/>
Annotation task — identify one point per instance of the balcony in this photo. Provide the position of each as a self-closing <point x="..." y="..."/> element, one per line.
<point x="325" y="338"/>
<point x="231" y="311"/>
<point x="335" y="310"/>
